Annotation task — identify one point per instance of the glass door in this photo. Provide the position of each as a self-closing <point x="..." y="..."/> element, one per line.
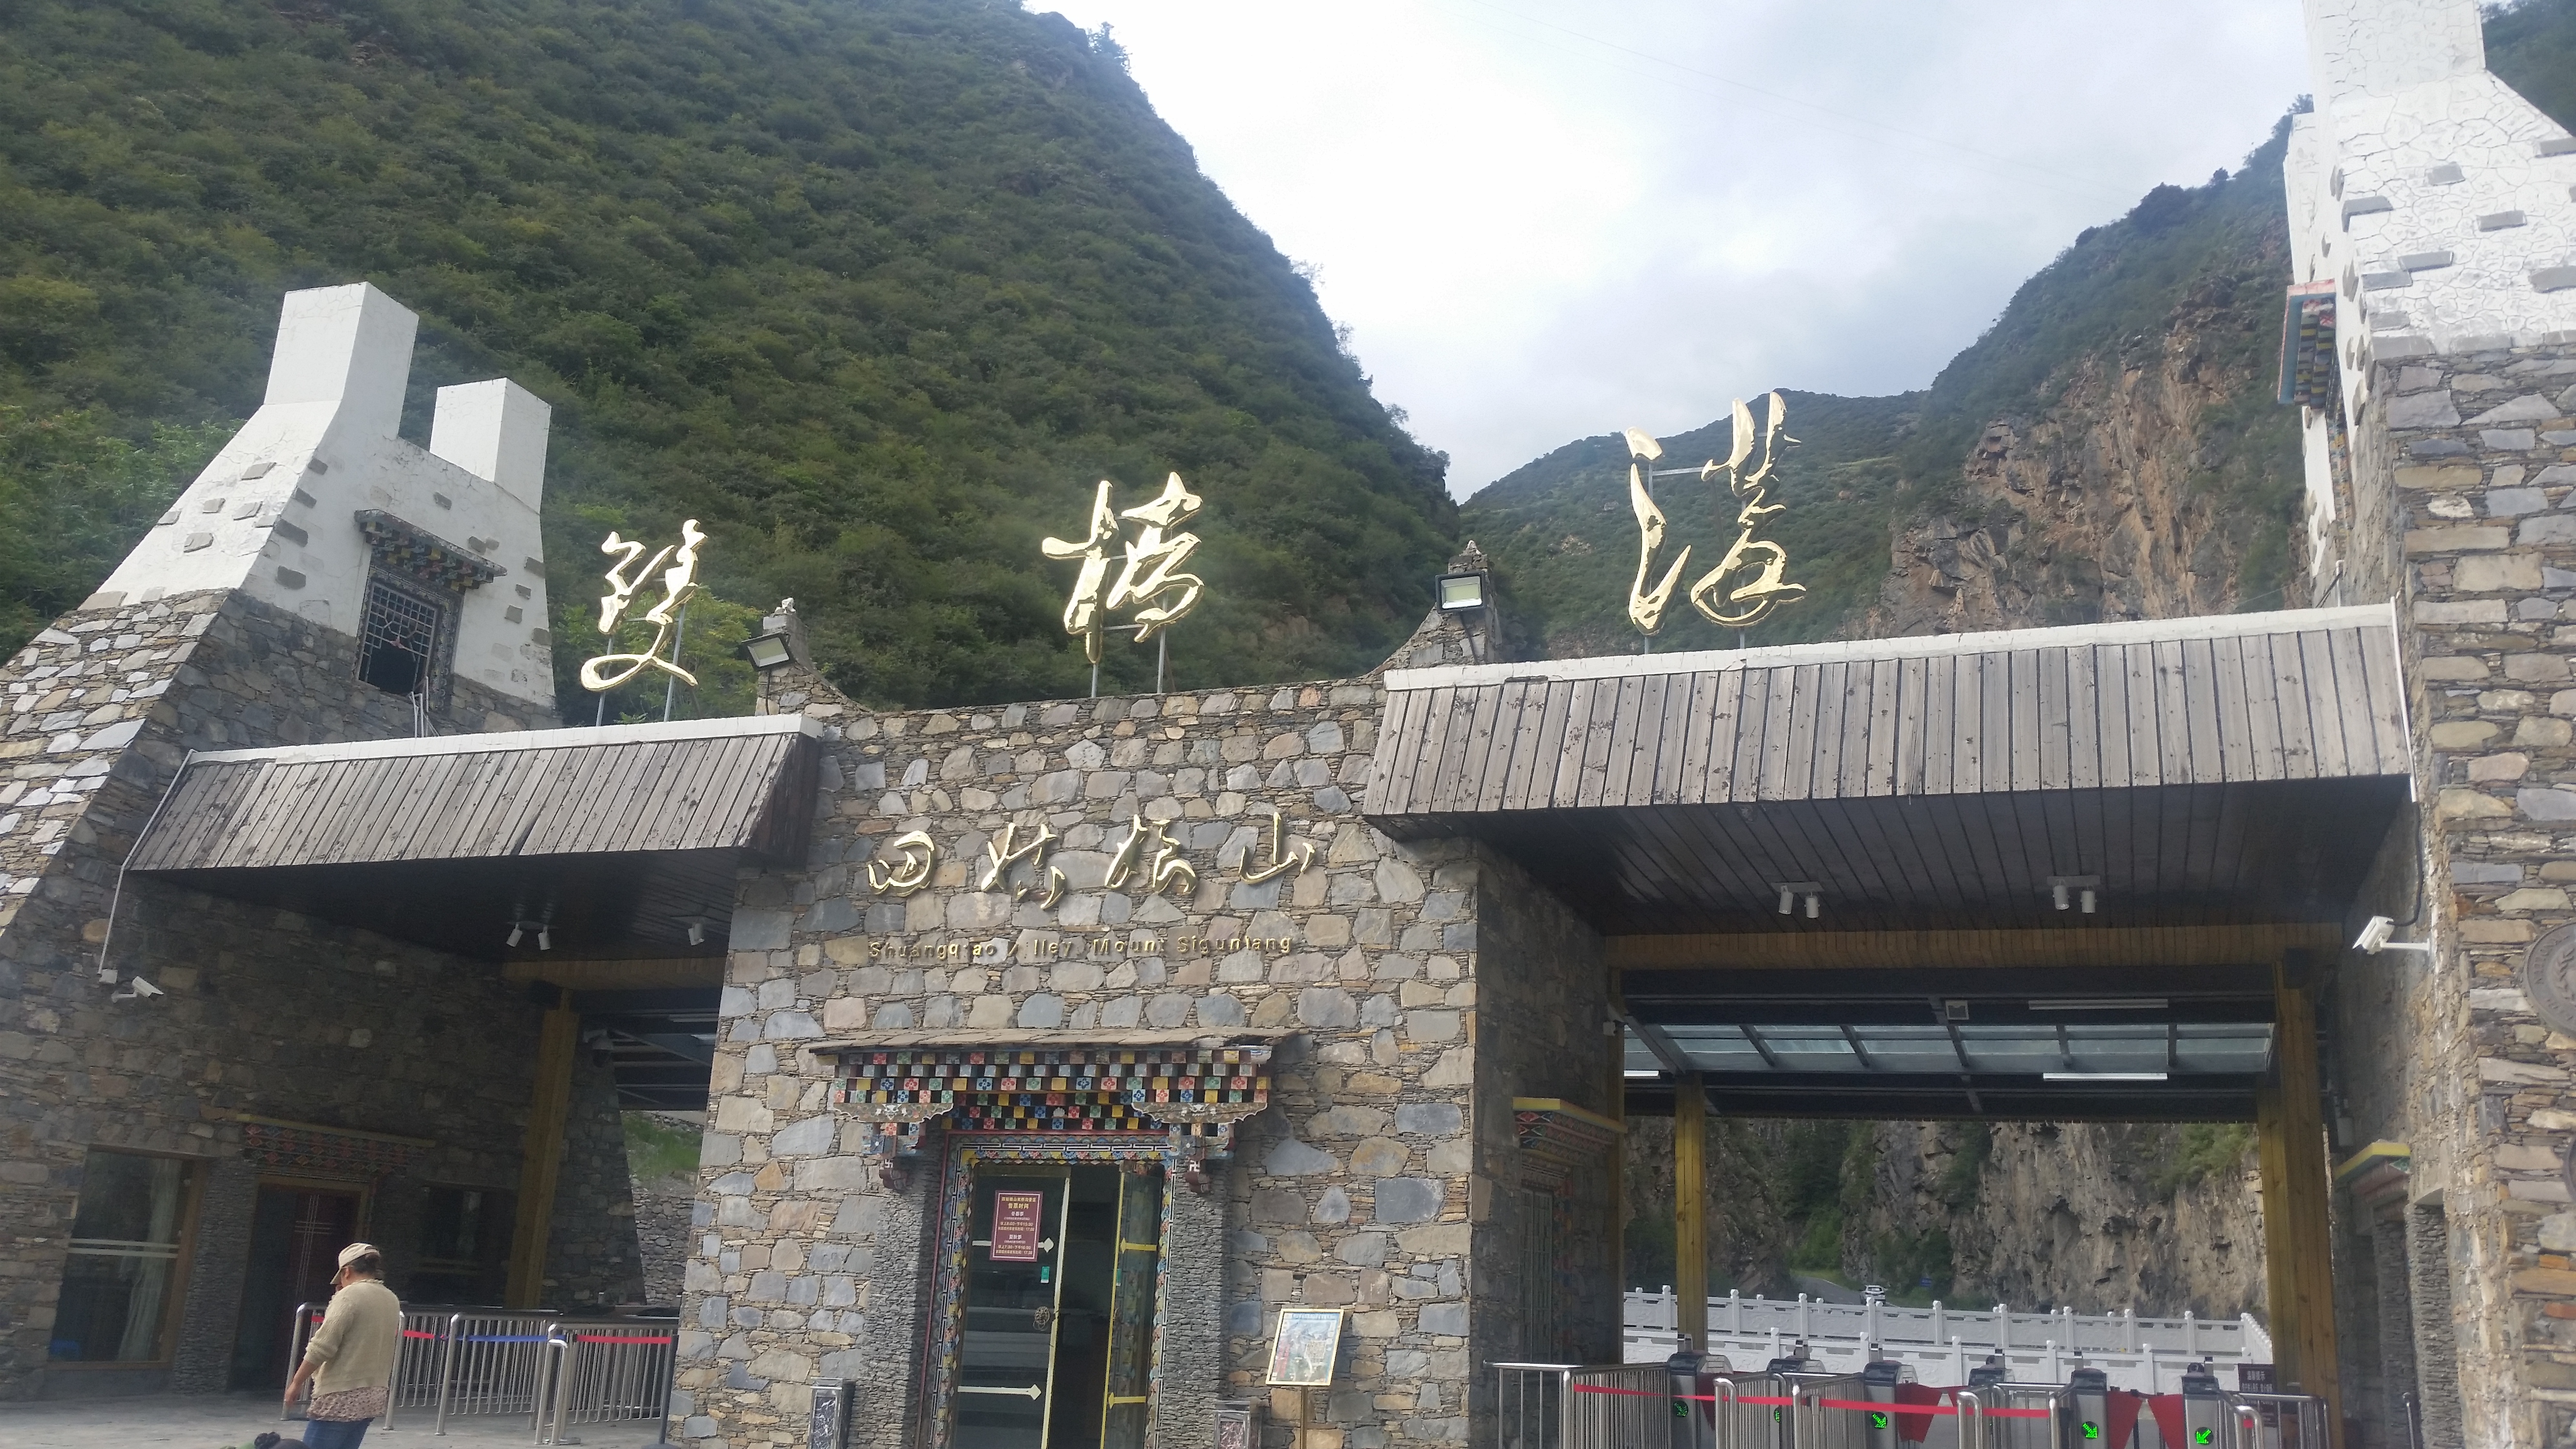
<point x="1014" y="1277"/>
<point x="1061" y="1266"/>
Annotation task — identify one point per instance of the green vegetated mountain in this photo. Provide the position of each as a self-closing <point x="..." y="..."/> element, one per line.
<point x="875" y="289"/>
<point x="2123" y="391"/>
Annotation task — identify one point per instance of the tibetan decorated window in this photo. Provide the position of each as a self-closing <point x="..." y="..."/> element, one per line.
<point x="1197" y="1092"/>
<point x="415" y="581"/>
<point x="2310" y="375"/>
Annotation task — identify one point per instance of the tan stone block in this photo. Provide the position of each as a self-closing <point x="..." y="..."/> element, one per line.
<point x="2458" y="538"/>
<point x="2446" y="479"/>
<point x="2533" y="898"/>
<point x="2558" y="870"/>
<point x="991" y="1011"/>
<point x="1435" y="1240"/>
<point x="2492" y="931"/>
<point x="1383" y="1323"/>
<point x="2526" y="1157"/>
<point x="2507" y="701"/>
<point x="2496" y="573"/>
<point x="2536" y="668"/>
<point x="2453" y="667"/>
<point x="847" y="950"/>
<point x="2506" y="766"/>
<point x="2462" y="734"/>
<point x="2535" y="732"/>
<point x="2469" y="805"/>
<point x="845" y="1013"/>
<point x="2556" y="1282"/>
<point x="1379" y="1157"/>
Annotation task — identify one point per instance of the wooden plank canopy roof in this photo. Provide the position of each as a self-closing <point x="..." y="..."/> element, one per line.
<point x="622" y="841"/>
<point x="2297" y="695"/>
<point x="2200" y="771"/>
<point x="695" y="785"/>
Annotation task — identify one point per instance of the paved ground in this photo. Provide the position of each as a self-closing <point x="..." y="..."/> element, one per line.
<point x="209" y="1422"/>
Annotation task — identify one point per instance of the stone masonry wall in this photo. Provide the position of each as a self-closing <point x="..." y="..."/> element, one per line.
<point x="1543" y="994"/>
<point x="2483" y="457"/>
<point x="1363" y="1186"/>
<point x="593" y="1255"/>
<point x="266" y="1013"/>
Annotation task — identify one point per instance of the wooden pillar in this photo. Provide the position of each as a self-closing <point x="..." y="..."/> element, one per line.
<point x="1614" y="1099"/>
<point x="1690" y="1211"/>
<point x="2289" y="1126"/>
<point x="549" y="1103"/>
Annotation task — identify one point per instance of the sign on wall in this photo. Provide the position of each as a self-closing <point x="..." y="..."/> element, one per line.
<point x="1016" y="1224"/>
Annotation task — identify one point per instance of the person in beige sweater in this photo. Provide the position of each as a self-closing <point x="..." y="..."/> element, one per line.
<point x="350" y="1360"/>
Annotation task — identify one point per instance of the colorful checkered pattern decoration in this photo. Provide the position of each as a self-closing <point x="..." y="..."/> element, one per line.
<point x="1201" y="1091"/>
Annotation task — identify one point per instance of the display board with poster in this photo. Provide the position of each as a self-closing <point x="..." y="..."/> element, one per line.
<point x="1308" y="1342"/>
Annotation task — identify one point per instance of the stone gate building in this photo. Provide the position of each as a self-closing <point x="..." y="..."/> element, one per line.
<point x="1053" y="1050"/>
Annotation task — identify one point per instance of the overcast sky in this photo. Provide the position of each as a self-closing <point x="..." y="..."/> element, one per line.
<point x="1544" y="221"/>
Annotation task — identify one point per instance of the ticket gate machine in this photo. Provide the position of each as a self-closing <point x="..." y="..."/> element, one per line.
<point x="1878" y="1381"/>
<point x="2084" y="1421"/>
<point x="2204" y="1410"/>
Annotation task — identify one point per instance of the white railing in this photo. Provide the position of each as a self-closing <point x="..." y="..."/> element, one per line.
<point x="2144" y="1354"/>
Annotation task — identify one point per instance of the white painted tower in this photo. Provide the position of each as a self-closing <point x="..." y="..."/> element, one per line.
<point x="2436" y="203"/>
<point x="319" y="508"/>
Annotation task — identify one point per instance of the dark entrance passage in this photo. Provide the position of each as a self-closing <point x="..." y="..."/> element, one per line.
<point x="1058" y="1342"/>
<point x="296" y="1234"/>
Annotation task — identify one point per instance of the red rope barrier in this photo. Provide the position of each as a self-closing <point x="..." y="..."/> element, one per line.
<point x="1849" y="1405"/>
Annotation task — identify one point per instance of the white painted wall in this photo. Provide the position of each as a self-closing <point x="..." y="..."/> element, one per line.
<point x="2400" y="180"/>
<point x="323" y="447"/>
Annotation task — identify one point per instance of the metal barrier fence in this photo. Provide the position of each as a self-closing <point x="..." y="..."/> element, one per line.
<point x="604" y="1373"/>
<point x="556" y="1371"/>
<point x="1561" y="1405"/>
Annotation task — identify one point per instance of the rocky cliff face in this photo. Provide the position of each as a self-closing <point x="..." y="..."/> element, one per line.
<point x="2156" y="1218"/>
<point x="2154" y="484"/>
<point x="2099" y="1218"/>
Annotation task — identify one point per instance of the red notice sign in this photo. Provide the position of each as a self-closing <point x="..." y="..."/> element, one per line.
<point x="1015" y="1226"/>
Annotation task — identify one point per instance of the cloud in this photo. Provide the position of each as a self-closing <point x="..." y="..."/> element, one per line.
<point x="1545" y="222"/>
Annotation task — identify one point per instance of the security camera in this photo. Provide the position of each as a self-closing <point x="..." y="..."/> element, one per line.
<point x="2374" y="939"/>
<point x="137" y="987"/>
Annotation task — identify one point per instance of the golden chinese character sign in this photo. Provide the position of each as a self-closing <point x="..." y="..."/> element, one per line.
<point x="1747" y="583"/>
<point x="679" y="585"/>
<point x="1149" y="586"/>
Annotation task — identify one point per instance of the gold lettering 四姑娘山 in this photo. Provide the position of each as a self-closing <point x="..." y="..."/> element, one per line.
<point x="915" y="853"/>
<point x="1283" y="857"/>
<point x="1159" y="870"/>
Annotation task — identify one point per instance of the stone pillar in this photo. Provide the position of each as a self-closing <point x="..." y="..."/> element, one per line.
<point x="2396" y="1321"/>
<point x="1190" y="1343"/>
<point x="2437" y="1345"/>
<point x="201" y="1362"/>
<point x="897" y="1239"/>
